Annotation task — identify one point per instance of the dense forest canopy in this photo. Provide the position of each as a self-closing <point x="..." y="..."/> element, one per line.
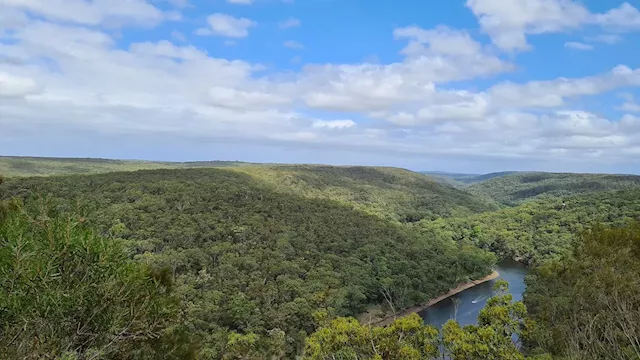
<point x="240" y="261"/>
<point x="515" y="188"/>
<point x="22" y="166"/>
<point x="462" y="180"/>
<point x="251" y="261"/>
<point x="392" y="193"/>
<point x="587" y="305"/>
<point x="540" y="229"/>
<point x="68" y="292"/>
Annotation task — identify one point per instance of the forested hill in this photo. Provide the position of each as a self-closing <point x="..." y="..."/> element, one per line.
<point x="462" y="180"/>
<point x="541" y="229"/>
<point x="515" y="188"/>
<point x="14" y="166"/>
<point x="392" y="193"/>
<point x="252" y="264"/>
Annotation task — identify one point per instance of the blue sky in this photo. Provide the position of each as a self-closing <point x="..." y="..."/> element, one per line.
<point x="467" y="86"/>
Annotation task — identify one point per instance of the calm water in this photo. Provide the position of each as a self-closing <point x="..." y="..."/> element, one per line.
<point x="467" y="313"/>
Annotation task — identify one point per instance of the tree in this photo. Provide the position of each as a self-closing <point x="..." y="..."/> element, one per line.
<point x="492" y="338"/>
<point x="409" y="338"/>
<point x="405" y="338"/>
<point x="588" y="306"/>
<point x="66" y="292"/>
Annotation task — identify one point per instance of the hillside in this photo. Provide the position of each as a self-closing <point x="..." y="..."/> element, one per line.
<point x="249" y="260"/>
<point x="392" y="193"/>
<point x="515" y="188"/>
<point x="462" y="180"/>
<point x="263" y="257"/>
<point x="14" y="166"/>
<point x="541" y="229"/>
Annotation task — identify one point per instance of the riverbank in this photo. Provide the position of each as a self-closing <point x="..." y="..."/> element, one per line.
<point x="415" y="309"/>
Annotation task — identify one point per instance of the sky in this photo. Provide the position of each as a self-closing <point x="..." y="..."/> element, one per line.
<point x="448" y="85"/>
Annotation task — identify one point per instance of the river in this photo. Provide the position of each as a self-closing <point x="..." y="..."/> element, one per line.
<point x="467" y="314"/>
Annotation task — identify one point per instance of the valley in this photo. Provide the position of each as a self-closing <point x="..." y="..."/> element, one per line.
<point x="266" y="261"/>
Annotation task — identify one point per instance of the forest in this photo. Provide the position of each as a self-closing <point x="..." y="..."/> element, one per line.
<point x="243" y="261"/>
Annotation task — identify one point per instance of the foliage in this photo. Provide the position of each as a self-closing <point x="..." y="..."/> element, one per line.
<point x="247" y="261"/>
<point x="254" y="266"/>
<point x="462" y="180"/>
<point x="66" y="292"/>
<point x="14" y="166"/>
<point x="539" y="230"/>
<point x="499" y="321"/>
<point x="587" y="306"/>
<point x="518" y="187"/>
<point x="409" y="338"/>
<point x="405" y="338"/>
<point x="391" y="193"/>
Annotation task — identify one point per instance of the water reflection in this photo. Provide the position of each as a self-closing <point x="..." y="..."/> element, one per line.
<point x="465" y="306"/>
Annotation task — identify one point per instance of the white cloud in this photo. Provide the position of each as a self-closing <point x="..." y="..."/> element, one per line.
<point x="334" y="124"/>
<point x="71" y="77"/>
<point x="624" y="17"/>
<point x="541" y="94"/>
<point x="509" y="22"/>
<point x="630" y="124"/>
<point x="403" y="119"/>
<point x="289" y="23"/>
<point x="578" y="45"/>
<point x="111" y="12"/>
<point x="293" y="44"/>
<point x="166" y="49"/>
<point x="226" y="97"/>
<point x="240" y="2"/>
<point x="226" y="25"/>
<point x="466" y="106"/>
<point x="441" y="40"/>
<point x="16" y="86"/>
<point x="430" y="59"/>
<point x="630" y="107"/>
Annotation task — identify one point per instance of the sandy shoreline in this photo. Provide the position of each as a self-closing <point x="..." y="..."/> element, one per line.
<point x="414" y="309"/>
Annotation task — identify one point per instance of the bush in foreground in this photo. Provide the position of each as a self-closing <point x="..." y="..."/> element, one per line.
<point x="67" y="293"/>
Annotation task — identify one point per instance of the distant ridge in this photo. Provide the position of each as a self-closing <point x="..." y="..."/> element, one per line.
<point x="462" y="179"/>
<point x="21" y="166"/>
<point x="517" y="187"/>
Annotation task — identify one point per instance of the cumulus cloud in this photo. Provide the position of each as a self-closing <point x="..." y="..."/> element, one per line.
<point x="16" y="86"/>
<point x="624" y="17"/>
<point x="544" y="94"/>
<point x="66" y="71"/>
<point x="334" y="124"/>
<point x="509" y="22"/>
<point x="226" y="25"/>
<point x="242" y="99"/>
<point x="630" y="105"/>
<point x="430" y="59"/>
<point x="86" y="12"/>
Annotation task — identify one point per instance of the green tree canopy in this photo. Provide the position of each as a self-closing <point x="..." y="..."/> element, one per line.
<point x="66" y="292"/>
